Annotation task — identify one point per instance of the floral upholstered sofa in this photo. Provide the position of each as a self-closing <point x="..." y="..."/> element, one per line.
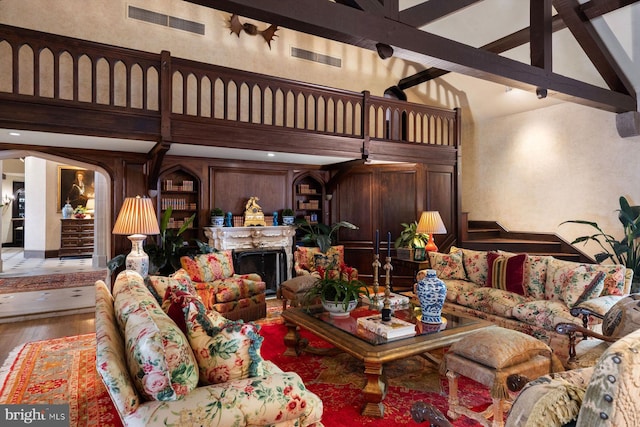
<point x="309" y="260"/>
<point x="177" y="364"/>
<point x="528" y="293"/>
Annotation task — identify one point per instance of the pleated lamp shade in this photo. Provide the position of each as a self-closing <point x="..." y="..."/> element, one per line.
<point x="137" y="216"/>
<point x="137" y="219"/>
<point x="431" y="223"/>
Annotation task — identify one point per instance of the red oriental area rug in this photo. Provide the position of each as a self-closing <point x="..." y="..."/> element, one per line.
<point x="59" y="371"/>
<point x="63" y="371"/>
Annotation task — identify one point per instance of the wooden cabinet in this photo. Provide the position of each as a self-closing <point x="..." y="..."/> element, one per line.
<point x="76" y="238"/>
<point x="180" y="191"/>
<point x="309" y="195"/>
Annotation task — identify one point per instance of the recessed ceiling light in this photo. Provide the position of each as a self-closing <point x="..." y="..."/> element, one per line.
<point x="14" y="133"/>
<point x="271" y="155"/>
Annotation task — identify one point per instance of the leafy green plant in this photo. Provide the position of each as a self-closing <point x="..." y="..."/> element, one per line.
<point x="625" y="251"/>
<point x="217" y="212"/>
<point x="332" y="287"/>
<point x="410" y="238"/>
<point x="320" y="235"/>
<point x="288" y="212"/>
<point x="164" y="257"/>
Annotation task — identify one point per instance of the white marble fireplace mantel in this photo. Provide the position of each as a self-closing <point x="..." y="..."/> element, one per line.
<point x="252" y="238"/>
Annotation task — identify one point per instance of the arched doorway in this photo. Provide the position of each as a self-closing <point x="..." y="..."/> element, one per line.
<point x="43" y="214"/>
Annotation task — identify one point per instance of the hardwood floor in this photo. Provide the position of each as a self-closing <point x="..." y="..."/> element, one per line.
<point x="16" y="333"/>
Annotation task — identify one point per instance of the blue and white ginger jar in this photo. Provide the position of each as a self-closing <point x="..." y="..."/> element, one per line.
<point x="431" y="294"/>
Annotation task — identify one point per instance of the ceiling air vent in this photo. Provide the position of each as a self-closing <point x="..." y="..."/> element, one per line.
<point x="165" y="20"/>
<point x="316" y="57"/>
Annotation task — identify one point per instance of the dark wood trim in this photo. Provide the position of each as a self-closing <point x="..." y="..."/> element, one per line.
<point x="352" y="26"/>
<point x="592" y="44"/>
<point x="540" y="34"/>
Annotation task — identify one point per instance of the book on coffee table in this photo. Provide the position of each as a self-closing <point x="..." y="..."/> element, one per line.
<point x="395" y="328"/>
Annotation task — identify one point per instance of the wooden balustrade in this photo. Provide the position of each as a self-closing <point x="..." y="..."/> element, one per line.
<point x="56" y="70"/>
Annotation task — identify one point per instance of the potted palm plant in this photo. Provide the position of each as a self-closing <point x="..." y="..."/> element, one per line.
<point x="625" y="251"/>
<point x="320" y="235"/>
<point x="338" y="295"/>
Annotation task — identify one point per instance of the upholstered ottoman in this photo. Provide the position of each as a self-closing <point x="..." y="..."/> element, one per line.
<point x="489" y="357"/>
<point x="293" y="290"/>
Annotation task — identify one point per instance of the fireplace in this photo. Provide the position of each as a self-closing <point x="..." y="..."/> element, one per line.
<point x="270" y="264"/>
<point x="263" y="250"/>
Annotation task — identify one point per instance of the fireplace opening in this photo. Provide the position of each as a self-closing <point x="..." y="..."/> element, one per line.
<point x="270" y="264"/>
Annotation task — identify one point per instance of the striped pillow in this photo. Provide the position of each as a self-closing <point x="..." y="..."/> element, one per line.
<point x="506" y="272"/>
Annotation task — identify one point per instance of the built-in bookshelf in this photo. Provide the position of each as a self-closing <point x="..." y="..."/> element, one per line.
<point x="179" y="190"/>
<point x="309" y="198"/>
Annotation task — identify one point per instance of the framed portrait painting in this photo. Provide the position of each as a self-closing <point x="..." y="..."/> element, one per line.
<point x="75" y="185"/>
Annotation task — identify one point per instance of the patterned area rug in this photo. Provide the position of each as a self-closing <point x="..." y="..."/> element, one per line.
<point x="63" y="371"/>
<point x="59" y="371"/>
<point x="50" y="281"/>
<point x="339" y="380"/>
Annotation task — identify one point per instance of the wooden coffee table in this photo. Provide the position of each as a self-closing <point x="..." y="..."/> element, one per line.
<point x="372" y="349"/>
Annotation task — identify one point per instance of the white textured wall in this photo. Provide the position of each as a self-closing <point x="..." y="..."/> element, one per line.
<point x="531" y="171"/>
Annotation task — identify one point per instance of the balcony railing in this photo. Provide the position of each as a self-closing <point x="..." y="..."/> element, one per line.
<point x="47" y="68"/>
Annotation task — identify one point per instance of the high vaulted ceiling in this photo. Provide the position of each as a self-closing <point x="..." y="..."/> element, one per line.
<point x="482" y="39"/>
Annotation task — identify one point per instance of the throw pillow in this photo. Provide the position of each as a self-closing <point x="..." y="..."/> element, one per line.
<point x="574" y="284"/>
<point x="506" y="272"/>
<point x="225" y="350"/>
<point x="158" y="285"/>
<point x="209" y="267"/>
<point x="447" y="266"/>
<point x="475" y="264"/>
<point x="498" y="347"/>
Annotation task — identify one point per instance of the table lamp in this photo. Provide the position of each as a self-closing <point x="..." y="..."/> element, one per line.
<point x="136" y="220"/>
<point x="431" y="223"/>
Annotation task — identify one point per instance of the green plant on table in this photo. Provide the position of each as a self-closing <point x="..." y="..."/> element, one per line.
<point x="320" y="235"/>
<point x="332" y="287"/>
<point x="288" y="212"/>
<point x="625" y="251"/>
<point x="217" y="212"/>
<point x="410" y="238"/>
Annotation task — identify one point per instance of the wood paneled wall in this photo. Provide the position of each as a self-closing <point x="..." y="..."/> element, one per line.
<point x="382" y="197"/>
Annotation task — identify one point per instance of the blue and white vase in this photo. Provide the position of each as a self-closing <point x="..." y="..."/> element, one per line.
<point x="431" y="294"/>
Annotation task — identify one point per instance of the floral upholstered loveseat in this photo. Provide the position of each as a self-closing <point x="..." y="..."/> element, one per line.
<point x="528" y="293"/>
<point x="178" y="364"/>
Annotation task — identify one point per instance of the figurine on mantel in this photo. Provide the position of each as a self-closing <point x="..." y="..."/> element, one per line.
<point x="253" y="213"/>
<point x="228" y="220"/>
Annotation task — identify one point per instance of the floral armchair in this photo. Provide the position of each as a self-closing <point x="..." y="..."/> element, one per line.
<point x="309" y="260"/>
<point x="236" y="296"/>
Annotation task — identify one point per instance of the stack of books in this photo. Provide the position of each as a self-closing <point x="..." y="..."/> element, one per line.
<point x="396" y="301"/>
<point x="393" y="329"/>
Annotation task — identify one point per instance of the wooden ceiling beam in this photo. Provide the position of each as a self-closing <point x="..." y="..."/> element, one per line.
<point x="501" y="45"/>
<point x="596" y="8"/>
<point x="540" y="34"/>
<point x="348" y="25"/>
<point x="593" y="46"/>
